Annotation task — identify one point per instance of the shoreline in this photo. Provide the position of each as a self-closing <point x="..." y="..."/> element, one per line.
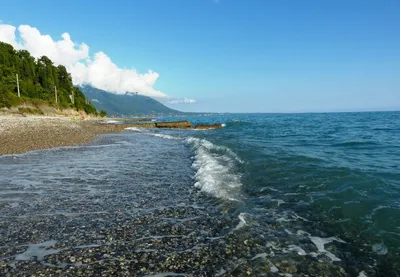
<point x="24" y="134"/>
<point x="21" y="134"/>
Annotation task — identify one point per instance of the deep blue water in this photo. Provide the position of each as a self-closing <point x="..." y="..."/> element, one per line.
<point x="310" y="189"/>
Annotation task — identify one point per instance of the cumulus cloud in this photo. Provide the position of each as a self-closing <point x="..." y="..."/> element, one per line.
<point x="182" y="101"/>
<point x="98" y="71"/>
<point x="7" y="34"/>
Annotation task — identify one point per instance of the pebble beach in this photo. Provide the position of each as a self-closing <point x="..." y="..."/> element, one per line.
<point x="20" y="134"/>
<point x="233" y="201"/>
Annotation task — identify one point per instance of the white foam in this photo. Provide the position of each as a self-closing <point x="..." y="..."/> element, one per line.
<point x="164" y="136"/>
<point x="110" y="121"/>
<point x="87" y="246"/>
<point x="242" y="221"/>
<point x="377" y="209"/>
<point x="223" y="125"/>
<point x="216" y="169"/>
<point x="288" y="232"/>
<point x="279" y="202"/>
<point x="261" y="255"/>
<point x="210" y="146"/>
<point x="136" y="129"/>
<point x="272" y="267"/>
<point x="300" y="251"/>
<point x="37" y="250"/>
<point x="302" y="233"/>
<point x="320" y="244"/>
<point x="362" y="274"/>
<point x="290" y="216"/>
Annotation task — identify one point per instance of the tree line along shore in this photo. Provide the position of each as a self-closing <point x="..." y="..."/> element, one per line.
<point x="30" y="83"/>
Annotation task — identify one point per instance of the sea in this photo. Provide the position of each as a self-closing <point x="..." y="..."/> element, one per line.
<point x="266" y="195"/>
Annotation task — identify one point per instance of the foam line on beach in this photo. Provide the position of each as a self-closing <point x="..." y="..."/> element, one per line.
<point x="242" y="222"/>
<point x="37" y="250"/>
<point x="320" y="244"/>
<point x="165" y="136"/>
<point x="136" y="129"/>
<point x="110" y="122"/>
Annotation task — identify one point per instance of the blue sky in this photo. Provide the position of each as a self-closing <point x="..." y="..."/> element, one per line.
<point x="241" y="56"/>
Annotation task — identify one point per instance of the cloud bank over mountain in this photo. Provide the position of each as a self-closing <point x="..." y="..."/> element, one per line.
<point x="98" y="70"/>
<point x="182" y="101"/>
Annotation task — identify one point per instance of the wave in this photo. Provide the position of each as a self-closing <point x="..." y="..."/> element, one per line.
<point x="164" y="136"/>
<point x="216" y="169"/>
<point x="110" y="122"/>
<point x="136" y="129"/>
<point x="355" y="143"/>
<point x="385" y="129"/>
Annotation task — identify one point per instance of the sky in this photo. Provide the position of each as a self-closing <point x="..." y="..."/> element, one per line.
<point x="222" y="55"/>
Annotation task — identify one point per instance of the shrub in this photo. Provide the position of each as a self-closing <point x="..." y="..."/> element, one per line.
<point x="103" y="113"/>
<point x="8" y="99"/>
<point x="30" y="110"/>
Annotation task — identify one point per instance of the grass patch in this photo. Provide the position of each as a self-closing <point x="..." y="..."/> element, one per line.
<point x="30" y="110"/>
<point x="8" y="99"/>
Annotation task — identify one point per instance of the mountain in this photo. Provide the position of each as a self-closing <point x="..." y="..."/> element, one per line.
<point x="128" y="104"/>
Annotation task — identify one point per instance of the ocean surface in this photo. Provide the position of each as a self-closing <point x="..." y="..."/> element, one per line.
<point x="267" y="195"/>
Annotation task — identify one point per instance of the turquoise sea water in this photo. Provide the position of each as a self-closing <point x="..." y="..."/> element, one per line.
<point x="340" y="172"/>
<point x="267" y="195"/>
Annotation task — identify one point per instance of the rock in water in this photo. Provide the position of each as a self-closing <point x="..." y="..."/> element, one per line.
<point x="176" y="125"/>
<point x="211" y="126"/>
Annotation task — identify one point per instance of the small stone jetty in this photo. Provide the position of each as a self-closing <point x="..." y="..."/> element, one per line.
<point x="176" y="125"/>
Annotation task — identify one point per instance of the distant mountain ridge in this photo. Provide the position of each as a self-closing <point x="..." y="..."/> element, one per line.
<point x="124" y="105"/>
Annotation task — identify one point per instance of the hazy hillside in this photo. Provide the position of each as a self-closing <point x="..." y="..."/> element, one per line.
<point x="128" y="104"/>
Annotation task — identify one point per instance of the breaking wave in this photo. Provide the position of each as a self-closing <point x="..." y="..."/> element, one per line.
<point x="164" y="136"/>
<point x="136" y="129"/>
<point x="216" y="169"/>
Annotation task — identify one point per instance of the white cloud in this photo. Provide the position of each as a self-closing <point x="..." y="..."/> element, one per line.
<point x="182" y="101"/>
<point x="98" y="71"/>
<point x="103" y="73"/>
<point x="7" y="34"/>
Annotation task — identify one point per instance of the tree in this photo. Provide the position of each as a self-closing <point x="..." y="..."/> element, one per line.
<point x="37" y="79"/>
<point x="103" y="113"/>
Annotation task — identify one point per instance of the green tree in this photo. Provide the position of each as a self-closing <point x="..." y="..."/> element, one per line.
<point x="37" y="80"/>
<point x="103" y="113"/>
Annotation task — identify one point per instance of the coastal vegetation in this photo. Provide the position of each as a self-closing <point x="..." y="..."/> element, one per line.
<point x="25" y="80"/>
